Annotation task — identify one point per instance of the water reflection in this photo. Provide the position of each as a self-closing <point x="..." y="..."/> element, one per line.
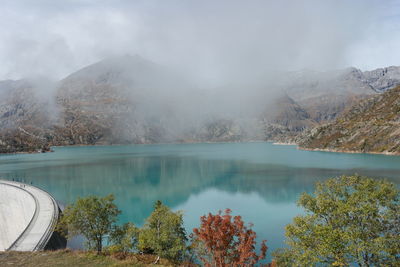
<point x="257" y="180"/>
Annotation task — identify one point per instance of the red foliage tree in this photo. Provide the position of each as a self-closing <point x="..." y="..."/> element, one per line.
<point x="224" y="240"/>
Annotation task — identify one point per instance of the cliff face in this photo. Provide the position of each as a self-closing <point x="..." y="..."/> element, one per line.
<point x="373" y="125"/>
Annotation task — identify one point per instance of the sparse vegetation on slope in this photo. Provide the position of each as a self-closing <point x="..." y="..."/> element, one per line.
<point x="371" y="126"/>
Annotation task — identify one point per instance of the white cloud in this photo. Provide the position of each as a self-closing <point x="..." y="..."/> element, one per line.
<point x="215" y="40"/>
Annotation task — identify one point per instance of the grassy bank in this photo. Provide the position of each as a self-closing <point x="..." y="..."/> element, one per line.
<point x="77" y="259"/>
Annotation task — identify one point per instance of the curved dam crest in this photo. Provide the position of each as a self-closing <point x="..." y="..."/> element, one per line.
<point x="17" y="208"/>
<point x="28" y="216"/>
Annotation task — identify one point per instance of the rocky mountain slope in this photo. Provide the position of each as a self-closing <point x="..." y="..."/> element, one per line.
<point x="97" y="101"/>
<point x="324" y="95"/>
<point x="382" y="79"/>
<point x="128" y="99"/>
<point x="373" y="125"/>
<point x="284" y="119"/>
<point x="26" y="117"/>
<point x="321" y="97"/>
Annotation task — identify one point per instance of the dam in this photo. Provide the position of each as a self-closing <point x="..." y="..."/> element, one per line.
<point x="28" y="217"/>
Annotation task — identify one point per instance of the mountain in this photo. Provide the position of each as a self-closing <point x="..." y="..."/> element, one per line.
<point x="373" y="125"/>
<point x="100" y="102"/>
<point x="324" y="95"/>
<point x="26" y="115"/>
<point x="120" y="100"/>
<point x="383" y="79"/>
<point x="284" y="119"/>
<point x="131" y="100"/>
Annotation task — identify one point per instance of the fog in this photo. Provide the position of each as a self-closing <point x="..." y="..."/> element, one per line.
<point x="193" y="62"/>
<point x="216" y="43"/>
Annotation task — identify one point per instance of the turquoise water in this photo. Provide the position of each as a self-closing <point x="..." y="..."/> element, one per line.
<point x="259" y="181"/>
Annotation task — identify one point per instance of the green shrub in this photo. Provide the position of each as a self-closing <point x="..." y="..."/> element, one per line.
<point x="163" y="234"/>
<point x="350" y="219"/>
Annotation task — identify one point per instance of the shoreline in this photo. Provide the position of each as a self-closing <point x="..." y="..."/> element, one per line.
<point x="26" y="152"/>
<point x="284" y="144"/>
<point x="336" y="150"/>
<point x="133" y="144"/>
<point x="211" y="142"/>
<point x="348" y="151"/>
<point x="171" y="143"/>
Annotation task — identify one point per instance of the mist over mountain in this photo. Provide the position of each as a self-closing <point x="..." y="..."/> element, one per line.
<point x="123" y="72"/>
<point x="131" y="100"/>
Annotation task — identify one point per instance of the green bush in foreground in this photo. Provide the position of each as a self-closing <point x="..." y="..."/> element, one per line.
<point x="349" y="219"/>
<point x="92" y="217"/>
<point x="124" y="238"/>
<point x="163" y="234"/>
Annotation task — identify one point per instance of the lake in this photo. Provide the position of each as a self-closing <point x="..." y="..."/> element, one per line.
<point x="259" y="181"/>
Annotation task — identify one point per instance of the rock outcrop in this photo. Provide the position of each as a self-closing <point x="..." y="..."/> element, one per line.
<point x="383" y="79"/>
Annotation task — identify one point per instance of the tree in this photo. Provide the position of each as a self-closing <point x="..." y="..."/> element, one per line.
<point x="223" y="240"/>
<point x="124" y="238"/>
<point x="92" y="217"/>
<point x="163" y="234"/>
<point x="350" y="219"/>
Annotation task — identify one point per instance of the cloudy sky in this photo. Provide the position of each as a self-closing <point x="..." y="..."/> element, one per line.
<point x="215" y="40"/>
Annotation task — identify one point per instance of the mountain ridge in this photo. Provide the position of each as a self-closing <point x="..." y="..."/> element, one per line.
<point x="371" y="126"/>
<point x="130" y="100"/>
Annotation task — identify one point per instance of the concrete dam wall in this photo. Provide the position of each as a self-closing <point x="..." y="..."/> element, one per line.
<point x="28" y="217"/>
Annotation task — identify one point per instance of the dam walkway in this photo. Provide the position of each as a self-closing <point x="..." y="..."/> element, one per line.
<point x="28" y="217"/>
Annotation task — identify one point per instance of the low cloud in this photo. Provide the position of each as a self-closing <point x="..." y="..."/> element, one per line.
<point x="214" y="42"/>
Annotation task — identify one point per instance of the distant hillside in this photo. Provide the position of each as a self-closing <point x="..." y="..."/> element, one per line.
<point x="100" y="102"/>
<point x="284" y="119"/>
<point x="371" y="126"/>
<point x="383" y="79"/>
<point x="131" y="100"/>
<point x="26" y="117"/>
<point x="325" y="95"/>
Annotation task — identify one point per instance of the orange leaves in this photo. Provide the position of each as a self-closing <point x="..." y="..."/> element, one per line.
<point x="226" y="241"/>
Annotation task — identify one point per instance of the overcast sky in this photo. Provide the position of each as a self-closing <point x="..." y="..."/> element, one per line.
<point x="214" y="40"/>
